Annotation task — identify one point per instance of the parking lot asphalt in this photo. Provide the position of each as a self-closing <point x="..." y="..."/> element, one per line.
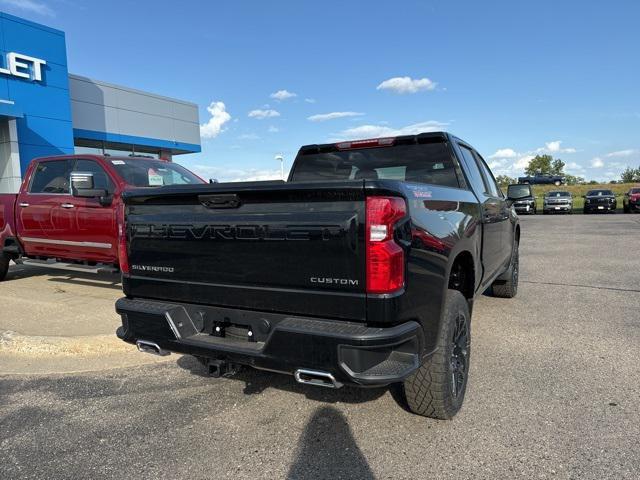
<point x="554" y="393"/>
<point x="55" y="321"/>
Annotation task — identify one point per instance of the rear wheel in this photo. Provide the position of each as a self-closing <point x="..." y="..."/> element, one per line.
<point x="4" y="266"/>
<point x="506" y="285"/>
<point x="625" y="208"/>
<point x="438" y="387"/>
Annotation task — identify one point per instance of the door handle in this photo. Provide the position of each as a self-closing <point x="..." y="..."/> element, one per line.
<point x="23" y="205"/>
<point x="67" y="205"/>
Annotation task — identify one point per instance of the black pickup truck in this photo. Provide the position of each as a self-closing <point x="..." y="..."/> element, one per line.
<point x="362" y="269"/>
<point x="543" y="179"/>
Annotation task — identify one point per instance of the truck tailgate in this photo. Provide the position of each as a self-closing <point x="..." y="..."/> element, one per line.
<point x="271" y="246"/>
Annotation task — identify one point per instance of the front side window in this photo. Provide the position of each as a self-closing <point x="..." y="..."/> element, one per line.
<point x="100" y="178"/>
<point x="475" y="177"/>
<point x="490" y="182"/>
<point x="52" y="177"/>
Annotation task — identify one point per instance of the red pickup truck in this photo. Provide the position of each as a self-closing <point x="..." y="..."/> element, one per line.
<point x="68" y="213"/>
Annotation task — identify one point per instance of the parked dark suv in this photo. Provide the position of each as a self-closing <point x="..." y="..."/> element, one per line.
<point x="526" y="201"/>
<point x="600" y="201"/>
<point x="557" y="201"/>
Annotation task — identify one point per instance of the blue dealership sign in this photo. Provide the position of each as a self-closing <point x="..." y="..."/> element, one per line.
<point x="34" y="87"/>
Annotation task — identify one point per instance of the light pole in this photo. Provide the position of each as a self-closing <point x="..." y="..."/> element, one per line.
<point x="280" y="158"/>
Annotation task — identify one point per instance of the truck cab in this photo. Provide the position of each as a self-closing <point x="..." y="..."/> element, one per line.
<point x="69" y="208"/>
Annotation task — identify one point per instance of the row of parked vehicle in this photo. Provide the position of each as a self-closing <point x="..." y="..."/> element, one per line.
<point x="561" y="201"/>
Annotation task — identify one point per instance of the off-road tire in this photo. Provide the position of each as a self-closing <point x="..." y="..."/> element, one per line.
<point x="506" y="285"/>
<point x="437" y="388"/>
<point x="4" y="266"/>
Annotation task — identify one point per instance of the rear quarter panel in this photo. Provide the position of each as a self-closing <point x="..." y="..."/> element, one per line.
<point x="443" y="222"/>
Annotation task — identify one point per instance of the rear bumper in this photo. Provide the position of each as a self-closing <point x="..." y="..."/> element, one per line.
<point x="353" y="353"/>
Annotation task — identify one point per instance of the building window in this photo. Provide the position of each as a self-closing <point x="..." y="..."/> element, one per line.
<point x="97" y="147"/>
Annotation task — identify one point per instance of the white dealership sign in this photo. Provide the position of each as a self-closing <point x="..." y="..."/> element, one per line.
<point x="23" y="66"/>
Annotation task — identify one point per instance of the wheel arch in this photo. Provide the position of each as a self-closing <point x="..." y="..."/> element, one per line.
<point x="462" y="275"/>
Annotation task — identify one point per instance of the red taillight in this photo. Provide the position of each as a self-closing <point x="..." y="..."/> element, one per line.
<point x="385" y="258"/>
<point x="123" y="256"/>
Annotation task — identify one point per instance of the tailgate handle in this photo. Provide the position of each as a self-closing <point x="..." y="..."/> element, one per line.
<point x="220" y="201"/>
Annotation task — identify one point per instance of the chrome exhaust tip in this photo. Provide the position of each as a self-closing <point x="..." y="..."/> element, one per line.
<point x="316" y="378"/>
<point x="145" y="346"/>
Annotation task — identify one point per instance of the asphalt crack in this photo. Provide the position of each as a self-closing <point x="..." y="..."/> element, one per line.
<point x="583" y="286"/>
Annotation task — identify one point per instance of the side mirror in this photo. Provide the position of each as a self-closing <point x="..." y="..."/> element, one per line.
<point x="82" y="185"/>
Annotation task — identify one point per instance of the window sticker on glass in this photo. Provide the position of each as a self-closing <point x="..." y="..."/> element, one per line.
<point x="155" y="180"/>
<point x="118" y="162"/>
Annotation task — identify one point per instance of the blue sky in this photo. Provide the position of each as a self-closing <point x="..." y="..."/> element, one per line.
<point x="512" y="78"/>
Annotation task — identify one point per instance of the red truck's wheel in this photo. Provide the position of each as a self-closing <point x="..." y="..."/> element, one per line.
<point x="438" y="387"/>
<point x="4" y="266"/>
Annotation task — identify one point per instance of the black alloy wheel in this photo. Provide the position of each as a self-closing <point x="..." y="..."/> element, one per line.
<point x="459" y="356"/>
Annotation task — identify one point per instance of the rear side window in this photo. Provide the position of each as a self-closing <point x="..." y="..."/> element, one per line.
<point x="424" y="163"/>
<point x="52" y="177"/>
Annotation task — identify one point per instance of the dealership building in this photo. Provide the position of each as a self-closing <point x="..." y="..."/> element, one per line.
<point x="44" y="110"/>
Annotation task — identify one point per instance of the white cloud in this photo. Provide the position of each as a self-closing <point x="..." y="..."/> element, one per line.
<point x="523" y="162"/>
<point x="261" y="114"/>
<point x="621" y="153"/>
<point x="31" y="6"/>
<point x="375" y="131"/>
<point x="273" y="129"/>
<point x="235" y="175"/>
<point x="597" y="162"/>
<point x="219" y="116"/>
<point x="283" y="95"/>
<point x="248" y="136"/>
<point x="555" y="147"/>
<point x="407" y="85"/>
<point x="504" y="153"/>
<point x="323" y="117"/>
<point x="502" y="166"/>
<point x="310" y="100"/>
<point x="574" y="168"/>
